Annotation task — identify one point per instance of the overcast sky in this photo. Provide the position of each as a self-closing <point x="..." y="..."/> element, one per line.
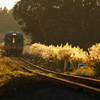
<point x="8" y="3"/>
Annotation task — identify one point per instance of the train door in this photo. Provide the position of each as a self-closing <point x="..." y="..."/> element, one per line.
<point x="14" y="44"/>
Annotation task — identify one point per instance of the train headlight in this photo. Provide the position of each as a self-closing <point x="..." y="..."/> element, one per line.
<point x="14" y="33"/>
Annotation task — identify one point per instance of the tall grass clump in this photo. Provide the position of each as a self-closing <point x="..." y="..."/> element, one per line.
<point x="94" y="52"/>
<point x="94" y="58"/>
<point x="55" y="56"/>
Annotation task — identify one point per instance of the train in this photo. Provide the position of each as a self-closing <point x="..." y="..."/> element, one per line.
<point x="13" y="43"/>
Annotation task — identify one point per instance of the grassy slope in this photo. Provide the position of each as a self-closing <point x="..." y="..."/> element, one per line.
<point x="9" y="69"/>
<point x="20" y="85"/>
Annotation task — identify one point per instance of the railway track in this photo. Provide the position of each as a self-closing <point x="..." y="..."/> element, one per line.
<point x="77" y="82"/>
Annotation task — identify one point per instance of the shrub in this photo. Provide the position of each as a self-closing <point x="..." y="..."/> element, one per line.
<point x="55" y="56"/>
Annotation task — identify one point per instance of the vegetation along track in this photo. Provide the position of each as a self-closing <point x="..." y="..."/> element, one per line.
<point x="77" y="82"/>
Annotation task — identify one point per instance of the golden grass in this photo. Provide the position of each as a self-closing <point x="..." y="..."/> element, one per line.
<point x="10" y="69"/>
<point x="87" y="71"/>
<point x="55" y="56"/>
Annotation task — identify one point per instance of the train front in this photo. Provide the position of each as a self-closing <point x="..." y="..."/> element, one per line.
<point x="13" y="43"/>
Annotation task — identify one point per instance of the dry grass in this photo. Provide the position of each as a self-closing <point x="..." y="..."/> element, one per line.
<point x="87" y="71"/>
<point x="9" y="69"/>
<point x="56" y="56"/>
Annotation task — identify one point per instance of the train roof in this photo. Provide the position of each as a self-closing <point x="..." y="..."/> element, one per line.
<point x="10" y="33"/>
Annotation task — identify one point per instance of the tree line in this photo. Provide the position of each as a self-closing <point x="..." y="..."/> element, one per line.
<point x="60" y="21"/>
<point x="7" y="22"/>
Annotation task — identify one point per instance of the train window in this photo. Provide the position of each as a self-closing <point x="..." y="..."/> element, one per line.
<point x="8" y="39"/>
<point x="20" y="39"/>
<point x="13" y="40"/>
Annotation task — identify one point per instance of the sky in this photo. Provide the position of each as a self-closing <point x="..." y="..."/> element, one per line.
<point x="8" y="3"/>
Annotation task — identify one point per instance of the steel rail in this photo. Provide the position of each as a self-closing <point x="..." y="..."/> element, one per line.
<point x="70" y="77"/>
<point x="64" y="81"/>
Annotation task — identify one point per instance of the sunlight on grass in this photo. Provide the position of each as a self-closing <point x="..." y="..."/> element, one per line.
<point x="87" y="71"/>
<point x="10" y="69"/>
<point x="55" y="56"/>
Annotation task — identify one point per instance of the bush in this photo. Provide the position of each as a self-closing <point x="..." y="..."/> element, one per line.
<point x="55" y="56"/>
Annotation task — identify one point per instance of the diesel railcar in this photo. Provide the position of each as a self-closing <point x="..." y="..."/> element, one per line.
<point x="14" y="43"/>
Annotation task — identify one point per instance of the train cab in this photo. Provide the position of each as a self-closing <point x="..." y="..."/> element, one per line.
<point x="13" y="43"/>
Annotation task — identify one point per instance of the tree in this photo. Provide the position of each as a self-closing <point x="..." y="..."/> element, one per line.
<point x="33" y="16"/>
<point x="59" y="21"/>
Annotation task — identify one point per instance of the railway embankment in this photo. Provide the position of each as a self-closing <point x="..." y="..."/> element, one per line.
<point x="24" y="85"/>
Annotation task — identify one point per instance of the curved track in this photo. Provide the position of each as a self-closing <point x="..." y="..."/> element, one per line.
<point x="87" y="84"/>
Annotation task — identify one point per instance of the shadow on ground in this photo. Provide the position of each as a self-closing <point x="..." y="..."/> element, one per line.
<point x="28" y="88"/>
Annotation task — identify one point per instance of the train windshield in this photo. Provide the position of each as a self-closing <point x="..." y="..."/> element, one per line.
<point x="20" y="39"/>
<point x="8" y="39"/>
